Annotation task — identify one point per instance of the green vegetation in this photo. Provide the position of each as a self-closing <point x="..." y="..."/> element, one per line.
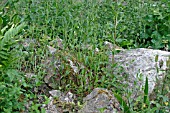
<point x="126" y="23"/>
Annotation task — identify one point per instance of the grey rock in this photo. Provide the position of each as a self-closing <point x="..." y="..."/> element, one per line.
<point x="100" y="100"/>
<point x="139" y="64"/>
<point x="67" y="98"/>
<point x="55" y="93"/>
<point x="60" y="102"/>
<point x="28" y="41"/>
<point x="30" y="75"/>
<point x="52" y="50"/>
<point x="51" y="108"/>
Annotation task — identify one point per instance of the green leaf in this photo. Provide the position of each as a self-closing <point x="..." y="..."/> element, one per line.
<point x="122" y="102"/>
<point x="16" y="19"/>
<point x="1" y="21"/>
<point x="12" y="74"/>
<point x="146" y="90"/>
<point x="156" y="58"/>
<point x="10" y="34"/>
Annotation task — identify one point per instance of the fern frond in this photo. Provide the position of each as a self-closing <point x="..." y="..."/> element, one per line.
<point x="7" y="55"/>
<point x="13" y="31"/>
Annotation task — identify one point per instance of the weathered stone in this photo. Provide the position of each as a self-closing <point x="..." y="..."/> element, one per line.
<point x="30" y="75"/>
<point x="68" y="97"/>
<point x="60" y="102"/>
<point x="139" y="64"/>
<point x="100" y="100"/>
<point x="55" y="93"/>
<point x="52" y="50"/>
<point x="111" y="46"/>
<point x="54" y="64"/>
<point x="58" y="42"/>
<point x="51" y="107"/>
<point x="27" y="42"/>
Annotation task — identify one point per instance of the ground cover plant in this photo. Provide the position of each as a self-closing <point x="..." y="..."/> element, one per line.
<point x="29" y="27"/>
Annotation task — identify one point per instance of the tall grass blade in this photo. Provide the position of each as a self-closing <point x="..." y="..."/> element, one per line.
<point x="146" y="90"/>
<point x="123" y="103"/>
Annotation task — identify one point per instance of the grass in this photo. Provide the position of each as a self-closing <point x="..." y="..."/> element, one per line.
<point x="80" y="23"/>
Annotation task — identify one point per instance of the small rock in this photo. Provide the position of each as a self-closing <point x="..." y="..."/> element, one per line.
<point x="100" y="100"/>
<point x="30" y="75"/>
<point x="96" y="50"/>
<point x="59" y="42"/>
<point x="109" y="45"/>
<point x="51" y="108"/>
<point x="26" y="43"/>
<point x="55" y="93"/>
<point x="51" y="49"/>
<point x="75" y="68"/>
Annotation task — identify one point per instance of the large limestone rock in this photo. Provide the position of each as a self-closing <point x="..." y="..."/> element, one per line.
<point x="141" y="63"/>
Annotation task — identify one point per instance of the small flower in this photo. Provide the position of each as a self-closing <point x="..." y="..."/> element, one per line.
<point x="166" y="103"/>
